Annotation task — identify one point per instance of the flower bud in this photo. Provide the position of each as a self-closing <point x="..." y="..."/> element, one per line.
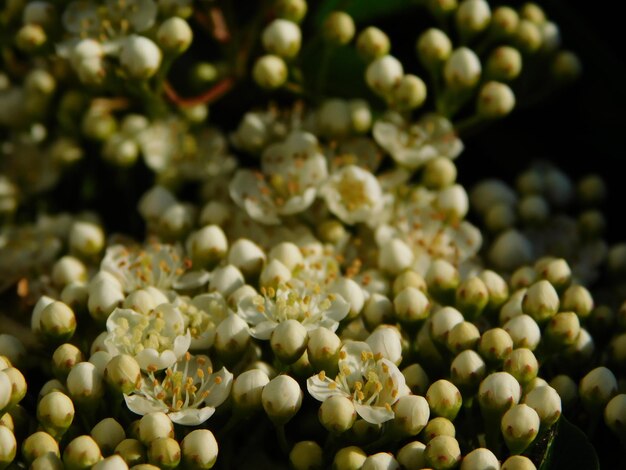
<point x="38" y="444"/>
<point x="510" y="250"/>
<point x="199" y="449"/>
<point x="577" y="299"/>
<point x="410" y="93"/>
<point x="562" y="329"/>
<point x="480" y="458"/>
<point x="247" y="390"/>
<point x="504" y="64"/>
<point x="462" y="69"/>
<point x="416" y="379"/>
<point x="86" y="239"/>
<point x="498" y="392"/>
<point x="16" y="387"/>
<point x="282" y="398"/>
<point x="614" y="415"/>
<point x="433" y="47"/>
<point x="438" y="427"/>
<point x="247" y="256"/>
<point x="57" y="322"/>
<point x="524" y="332"/>
<point x="528" y="36"/>
<point x="472" y="17"/>
<point x="174" y="35"/>
<point x="395" y="257"/>
<point x="467" y="371"/>
<point x="68" y="269"/>
<point x="155" y="425"/>
<point x="115" y="462"/>
<point x="140" y="57"/>
<point x="411" y="456"/>
<point x="497" y="289"/>
<point x="372" y="43"/>
<point x="306" y="455"/>
<point x="338" y="28"/>
<point x="30" y="37"/>
<point x="282" y="38"/>
<point x="541" y="301"/>
<point x="270" y="72"/>
<point x="104" y="296"/>
<point x="462" y="336"/>
<point x="597" y="388"/>
<point x="287" y="253"/>
<point x="471" y="297"/>
<point x="378" y="310"/>
<point x="85" y="384"/>
<point x="495" y="100"/>
<point x="273" y="274"/>
<point x="207" y="245"/>
<point x="226" y="280"/>
<point x="522" y="364"/>
<point x="289" y="340"/>
<point x="55" y="413"/>
<point x="100" y="359"/>
<point x="8" y="447"/>
<point x="384" y="74"/>
<point x="442" y="321"/>
<point x="108" y="434"/>
<point x="411" y="306"/>
<point x="582" y="350"/>
<point x="442" y="453"/>
<point x="292" y="10"/>
<point x="518" y="462"/>
<point x="381" y="461"/>
<point x="164" y="452"/>
<point x="337" y="414"/>
<point x="438" y="173"/>
<point x="520" y="426"/>
<point x="408" y="278"/>
<point x="444" y="399"/>
<point x="386" y="340"/>
<point x="546" y="402"/>
<point x="411" y="414"/>
<point x="557" y="272"/>
<point x="81" y="453"/>
<point x="494" y="345"/>
<point x="351" y="292"/>
<point x="500" y="217"/>
<point x="442" y="279"/>
<point x="232" y="337"/>
<point x="132" y="451"/>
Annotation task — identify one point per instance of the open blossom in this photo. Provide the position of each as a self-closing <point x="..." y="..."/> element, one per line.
<point x="373" y="383"/>
<point x="188" y="393"/>
<point x="413" y="144"/>
<point x="291" y="172"/>
<point x="302" y="301"/>
<point x="156" y="340"/>
<point x="202" y="315"/>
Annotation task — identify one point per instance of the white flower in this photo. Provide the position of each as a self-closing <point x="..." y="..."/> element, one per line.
<point x="353" y="194"/>
<point x="162" y="143"/>
<point x="412" y="145"/>
<point x="188" y="393"/>
<point x="202" y="315"/>
<point x="373" y="383"/>
<point x="305" y="302"/>
<point x="156" y="340"/>
<point x="291" y="172"/>
<point x="157" y="265"/>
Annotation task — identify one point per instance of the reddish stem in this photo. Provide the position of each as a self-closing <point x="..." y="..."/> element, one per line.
<point x="213" y="94"/>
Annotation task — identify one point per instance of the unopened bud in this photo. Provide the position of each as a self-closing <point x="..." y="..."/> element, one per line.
<point x="164" y="452"/>
<point x="480" y="458"/>
<point x="416" y="379"/>
<point x="174" y="35"/>
<point x="562" y="329"/>
<point x="411" y="306"/>
<point x="510" y="250"/>
<point x="338" y="28"/>
<point x="378" y="310"/>
<point x="8" y="447"/>
<point x="411" y="414"/>
<point x="524" y="332"/>
<point x="57" y="322"/>
<point x="81" y="453"/>
<point x="472" y="17"/>
<point x="433" y="47"/>
<point x="306" y="455"/>
<point x="438" y="173"/>
<point x="467" y="371"/>
<point x="462" y="336"/>
<point x="522" y="364"/>
<point x="114" y="462"/>
<point x="38" y="444"/>
<point x="349" y="458"/>
<point x="232" y="337"/>
<point x="270" y="72"/>
<point x="132" y="451"/>
<point x="282" y="37"/>
<point x="410" y="92"/>
<point x="520" y="426"/>
<point x="498" y="392"/>
<point x="337" y="414"/>
<point x="438" y="427"/>
<point x="199" y="450"/>
<point x="444" y="399"/>
<point x="411" y="456"/>
<point x="504" y="64"/>
<point x="495" y="100"/>
<point x="462" y="70"/>
<point x="442" y="453"/>
<point x="372" y="43"/>
<point x="282" y="398"/>
<point x="495" y="345"/>
<point x="541" y="301"/>
<point x="85" y="384"/>
<point x="55" y="413"/>
<point x="578" y="299"/>
<point x="528" y="36"/>
<point x="546" y="402"/>
<point x="384" y="74"/>
<point x="247" y="390"/>
<point x="442" y="279"/>
<point x="108" y="434"/>
<point x="155" y="425"/>
<point x="471" y="297"/>
<point x="289" y="340"/>
<point x="140" y="56"/>
<point x="518" y="462"/>
<point x="597" y="388"/>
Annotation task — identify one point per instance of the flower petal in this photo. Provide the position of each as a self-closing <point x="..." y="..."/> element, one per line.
<point x="192" y="416"/>
<point x="142" y="405"/>
<point x="321" y="389"/>
<point x="263" y="330"/>
<point x="223" y="381"/>
<point x="374" y="414"/>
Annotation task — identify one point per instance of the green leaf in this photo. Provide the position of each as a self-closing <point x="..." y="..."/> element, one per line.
<point x="569" y="449"/>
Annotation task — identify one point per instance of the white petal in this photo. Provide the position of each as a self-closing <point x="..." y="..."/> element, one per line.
<point x="192" y="416"/>
<point x="322" y="389"/>
<point x="373" y="414"/>
<point x="338" y="310"/>
<point x="151" y="357"/>
<point x="263" y="330"/>
<point x="141" y="405"/>
<point x="220" y="391"/>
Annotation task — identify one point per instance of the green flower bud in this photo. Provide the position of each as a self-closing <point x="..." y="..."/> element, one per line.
<point x="416" y="379"/>
<point x="281" y="398"/>
<point x="582" y="350"/>
<point x="408" y="278"/>
<point x="386" y="341"/>
<point x="426" y="349"/>
<point x="411" y="456"/>
<point x="140" y="57"/>
<point x="349" y="458"/>
<point x="122" y="373"/>
<point x="384" y="74"/>
<point x="411" y="415"/>
<point x="232" y="337"/>
<point x="546" y="402"/>
<point x="472" y="17"/>
<point x="247" y="390"/>
<point x="68" y="269"/>
<point x="442" y="279"/>
<point x="467" y="371"/>
<point x="153" y="426"/>
<point x="8" y="447"/>
<point x="132" y="451"/>
<point x="497" y="289"/>
<point x="199" y="449"/>
<point x="372" y="43"/>
<point x="528" y="36"/>
<point x="500" y="217"/>
<point x="472" y="297"/>
<point x="562" y="329"/>
<point x="55" y="413"/>
<point x="541" y="301"/>
<point x="47" y="462"/>
<point x="504" y="21"/>
<point x="462" y="336"/>
<point x="306" y="455"/>
<point x="495" y="100"/>
<point x="520" y="426"/>
<point x="17" y="386"/>
<point x="410" y="92"/>
<point x="115" y="462"/>
<point x="615" y="416"/>
<point x="480" y="458"/>
<point x="381" y="461"/>
<point x="524" y="332"/>
<point x="57" y="322"/>
<point x="81" y="453"/>
<point x="85" y="384"/>
<point x="557" y="272"/>
<point x="270" y="72"/>
<point x="30" y="37"/>
<point x="577" y="299"/>
<point x="495" y="345"/>
<point x="533" y="12"/>
<point x="174" y="35"/>
<point x="164" y="452"/>
<point x="498" y="392"/>
<point x="378" y="310"/>
<point x="282" y="38"/>
<point x="522" y="364"/>
<point x="38" y="444"/>
<point x="411" y="306"/>
<point x="438" y="427"/>
<point x="462" y="70"/>
<point x="86" y="239"/>
<point x="108" y="434"/>
<point x="597" y="388"/>
<point x="273" y="274"/>
<point x="444" y="399"/>
<point x="518" y="462"/>
<point x="145" y="466"/>
<point x="442" y="453"/>
<point x="292" y="10"/>
<point x="104" y="296"/>
<point x="337" y="414"/>
<point x="323" y="350"/>
<point x="442" y="321"/>
<point x="433" y="48"/>
<point x="247" y="256"/>
<point x="442" y="7"/>
<point x="207" y="245"/>
<point x="504" y="64"/>
<point x="510" y="250"/>
<point x="523" y="277"/>
<point x="338" y="28"/>
<point x="439" y="173"/>
<point x="289" y="340"/>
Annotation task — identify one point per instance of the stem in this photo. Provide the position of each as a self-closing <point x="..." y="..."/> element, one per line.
<point x="282" y="438"/>
<point x="470" y="125"/>
<point x="213" y="94"/>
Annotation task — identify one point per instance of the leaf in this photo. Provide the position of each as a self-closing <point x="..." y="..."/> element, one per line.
<point x="569" y="449"/>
